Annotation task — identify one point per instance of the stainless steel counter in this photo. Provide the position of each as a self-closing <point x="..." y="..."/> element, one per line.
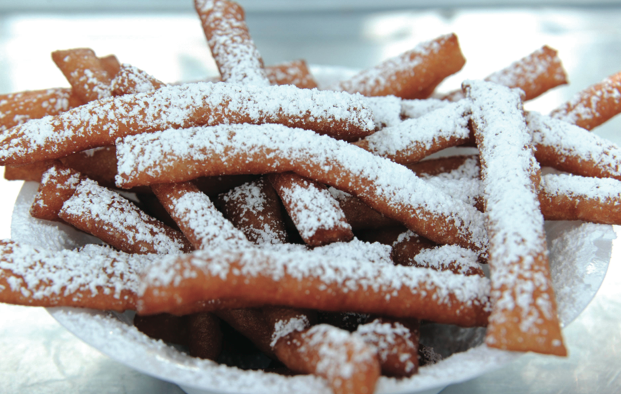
<point x="39" y="356"/>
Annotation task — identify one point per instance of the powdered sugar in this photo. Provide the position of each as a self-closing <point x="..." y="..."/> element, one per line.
<point x="198" y="213"/>
<point x="326" y="160"/>
<point x="113" y="212"/>
<point x="448" y="257"/>
<point x="235" y="54"/>
<point x="372" y="80"/>
<point x="419" y="137"/>
<point x="184" y="106"/>
<point x="313" y="208"/>
<point x="39" y="273"/>
<point x="283" y="328"/>
<point x="573" y="141"/>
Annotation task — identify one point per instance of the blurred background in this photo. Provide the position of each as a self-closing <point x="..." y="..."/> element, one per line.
<point x="164" y="37"/>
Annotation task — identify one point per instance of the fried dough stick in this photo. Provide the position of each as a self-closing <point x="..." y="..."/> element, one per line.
<point x="359" y="215"/>
<point x="100" y="123"/>
<point x="413" y="74"/>
<point x="396" y="344"/>
<point x="197" y="217"/>
<point x="315" y="213"/>
<point x="594" y="105"/>
<point x="116" y="221"/>
<point x="254" y="208"/>
<point x="18" y="108"/>
<point x="523" y="314"/>
<point x="306" y="280"/>
<point x="294" y="73"/>
<point x="28" y="172"/>
<point x="232" y="47"/>
<point x="85" y="72"/>
<point x="573" y="197"/>
<point x="535" y="74"/>
<point x="562" y="196"/>
<point x="385" y="186"/>
<point x="58" y="184"/>
<point x="414" y="139"/>
<point x="348" y="364"/>
<point x="570" y="148"/>
<point x="131" y="80"/>
<point x="94" y="277"/>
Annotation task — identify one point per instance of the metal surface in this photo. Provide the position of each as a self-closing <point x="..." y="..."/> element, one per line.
<point x="39" y="356"/>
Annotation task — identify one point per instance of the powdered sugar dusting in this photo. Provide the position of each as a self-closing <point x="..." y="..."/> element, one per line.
<point x="585" y="105"/>
<point x="514" y="220"/>
<point x="309" y="154"/>
<point x="384" y="336"/>
<point x="184" y="106"/>
<point x="448" y="257"/>
<point x="582" y="188"/>
<point x="416" y="108"/>
<point x="198" y="213"/>
<point x="283" y="328"/>
<point x="313" y="208"/>
<point x="117" y="214"/>
<point x="419" y="137"/>
<point x="234" y="51"/>
<point x="371" y="81"/>
<point x="40" y="273"/>
<point x="574" y="141"/>
<point x="335" y="347"/>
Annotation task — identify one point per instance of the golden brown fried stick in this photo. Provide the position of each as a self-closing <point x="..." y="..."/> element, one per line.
<point x="131" y="80"/>
<point x="385" y="186"/>
<point x="344" y="360"/>
<point x="204" y="336"/>
<point x="412" y="74"/>
<point x="110" y="64"/>
<point x="18" y="108"/>
<point x="572" y="197"/>
<point x="315" y="213"/>
<point x="197" y="217"/>
<point x="594" y="105"/>
<point x="252" y="324"/>
<point x="535" y="74"/>
<point x="414" y="139"/>
<point x="312" y="281"/>
<point x="570" y="148"/>
<point x="98" y="164"/>
<point x="58" y="184"/>
<point x="166" y="327"/>
<point x="295" y="73"/>
<point x="396" y="344"/>
<point x="28" y="172"/>
<point x="233" y="50"/>
<point x="440" y="165"/>
<point x="113" y="219"/>
<point x="85" y="72"/>
<point x="95" y="277"/>
<point x="562" y="196"/>
<point x="523" y="314"/>
<point x="101" y="123"/>
<point x="359" y="215"/>
<point x="254" y="208"/>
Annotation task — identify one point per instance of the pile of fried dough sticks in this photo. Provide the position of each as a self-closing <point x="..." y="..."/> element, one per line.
<point x="307" y="220"/>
